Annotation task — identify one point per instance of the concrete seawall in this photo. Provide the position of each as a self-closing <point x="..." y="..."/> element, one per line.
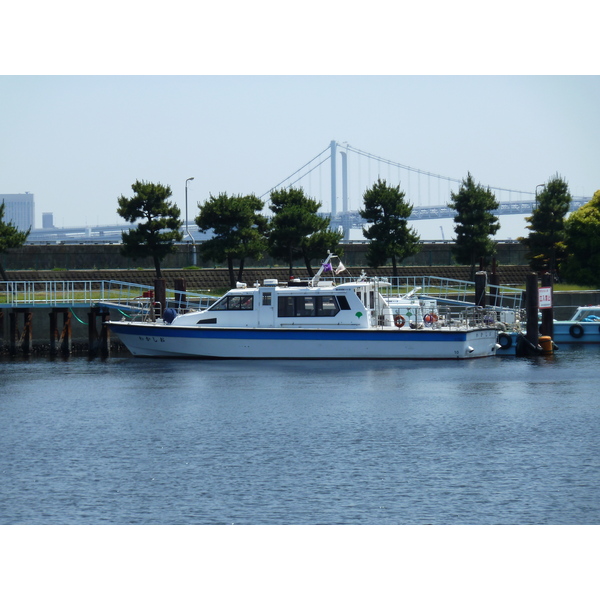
<point x="108" y="256"/>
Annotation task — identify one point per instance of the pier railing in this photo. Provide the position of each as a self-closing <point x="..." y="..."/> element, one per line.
<point x="72" y="294"/>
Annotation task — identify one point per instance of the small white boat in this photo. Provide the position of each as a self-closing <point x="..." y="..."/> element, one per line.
<point x="311" y="319"/>
<point x="582" y="328"/>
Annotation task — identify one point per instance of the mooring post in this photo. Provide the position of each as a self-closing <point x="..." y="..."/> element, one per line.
<point x="531" y="307"/>
<point x="13" y="335"/>
<point x="92" y="333"/>
<point x="53" y="331"/>
<point x="547" y="327"/>
<point x="105" y="334"/>
<point x="160" y="298"/>
<point x="66" y="338"/>
<point x="180" y="299"/>
<point x="494" y="281"/>
<point x="27" y="336"/>
<point x="25" y="340"/>
<point x="55" y="337"/>
<point x="480" y="285"/>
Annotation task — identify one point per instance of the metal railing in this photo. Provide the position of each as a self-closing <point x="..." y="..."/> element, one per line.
<point x="450" y="291"/>
<point x="117" y="294"/>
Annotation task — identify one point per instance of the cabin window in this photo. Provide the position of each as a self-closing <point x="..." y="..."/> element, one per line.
<point x="307" y="306"/>
<point x="266" y="299"/>
<point x="343" y="302"/>
<point x="234" y="303"/>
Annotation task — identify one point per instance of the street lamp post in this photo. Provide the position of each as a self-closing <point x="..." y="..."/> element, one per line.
<point x="536" y="194"/>
<point x="187" y="230"/>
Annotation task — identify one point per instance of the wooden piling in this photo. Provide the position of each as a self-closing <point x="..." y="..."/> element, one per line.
<point x="24" y="341"/>
<point x="160" y="298"/>
<point x="480" y="285"/>
<point x="531" y="307"/>
<point x="60" y="341"/>
<point x="98" y="342"/>
<point x="547" y="326"/>
<point x="66" y="336"/>
<point x="494" y="281"/>
<point x="180" y="298"/>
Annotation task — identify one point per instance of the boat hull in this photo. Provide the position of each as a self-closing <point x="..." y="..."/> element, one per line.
<point x="161" y="340"/>
<point x="576" y="332"/>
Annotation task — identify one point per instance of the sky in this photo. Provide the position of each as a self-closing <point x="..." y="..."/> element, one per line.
<point x="78" y="134"/>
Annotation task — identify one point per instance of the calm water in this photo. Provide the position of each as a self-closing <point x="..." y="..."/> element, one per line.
<point x="134" y="441"/>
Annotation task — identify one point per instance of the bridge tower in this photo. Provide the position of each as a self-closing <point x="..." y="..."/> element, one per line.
<point x="333" y="147"/>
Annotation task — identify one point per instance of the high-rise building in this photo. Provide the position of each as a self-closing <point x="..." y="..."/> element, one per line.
<point x="47" y="220"/>
<point x="19" y="210"/>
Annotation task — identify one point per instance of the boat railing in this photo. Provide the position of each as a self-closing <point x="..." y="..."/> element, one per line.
<point x="450" y="291"/>
<point x="445" y="316"/>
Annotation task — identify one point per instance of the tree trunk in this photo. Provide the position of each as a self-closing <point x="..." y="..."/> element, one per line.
<point x="157" y="267"/>
<point x="290" y="272"/>
<point x="241" y="270"/>
<point x="231" y="272"/>
<point x="309" y="267"/>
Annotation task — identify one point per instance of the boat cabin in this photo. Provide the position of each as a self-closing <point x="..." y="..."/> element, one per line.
<point x="356" y="304"/>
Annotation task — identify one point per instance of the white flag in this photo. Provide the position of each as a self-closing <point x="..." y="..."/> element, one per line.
<point x="340" y="268"/>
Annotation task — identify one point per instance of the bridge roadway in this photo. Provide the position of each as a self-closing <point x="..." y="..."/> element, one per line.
<point x="347" y="220"/>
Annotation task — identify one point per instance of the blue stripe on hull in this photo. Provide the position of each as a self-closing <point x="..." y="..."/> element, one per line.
<point x="291" y="334"/>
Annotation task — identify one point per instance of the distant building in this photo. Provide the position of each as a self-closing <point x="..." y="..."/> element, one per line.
<point x="19" y="210"/>
<point x="47" y="221"/>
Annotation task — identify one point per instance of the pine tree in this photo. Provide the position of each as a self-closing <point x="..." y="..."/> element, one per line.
<point x="387" y="211"/>
<point x="297" y="231"/>
<point x="238" y="228"/>
<point x="546" y="240"/>
<point x="159" y="226"/>
<point x="475" y="223"/>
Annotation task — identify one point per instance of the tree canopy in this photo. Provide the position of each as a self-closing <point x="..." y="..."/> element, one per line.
<point x="475" y="223"/>
<point x="239" y="230"/>
<point x="387" y="211"/>
<point x="546" y="241"/>
<point x="10" y="237"/>
<point x="297" y="231"/>
<point x="582" y="238"/>
<point x="159" y="223"/>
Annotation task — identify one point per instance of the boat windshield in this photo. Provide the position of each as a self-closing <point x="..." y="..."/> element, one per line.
<point x="587" y="313"/>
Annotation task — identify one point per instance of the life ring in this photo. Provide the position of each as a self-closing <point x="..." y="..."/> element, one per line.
<point x="399" y="321"/>
<point x="505" y="341"/>
<point x="576" y="331"/>
<point x="430" y="318"/>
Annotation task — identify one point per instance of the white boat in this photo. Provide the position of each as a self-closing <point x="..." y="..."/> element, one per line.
<point x="582" y="328"/>
<point x="313" y="319"/>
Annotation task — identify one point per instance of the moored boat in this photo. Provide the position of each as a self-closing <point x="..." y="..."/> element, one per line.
<point x="582" y="328"/>
<point x="313" y="319"/>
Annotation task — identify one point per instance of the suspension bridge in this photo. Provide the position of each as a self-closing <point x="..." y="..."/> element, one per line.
<point x="341" y="168"/>
<point x="428" y="192"/>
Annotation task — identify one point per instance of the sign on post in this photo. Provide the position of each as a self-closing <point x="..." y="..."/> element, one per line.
<point x="545" y="297"/>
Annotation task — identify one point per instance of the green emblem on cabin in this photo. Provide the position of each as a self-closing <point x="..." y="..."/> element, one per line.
<point x="359" y="314"/>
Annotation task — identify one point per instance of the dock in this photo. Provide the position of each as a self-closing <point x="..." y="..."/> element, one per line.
<point x="23" y="305"/>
